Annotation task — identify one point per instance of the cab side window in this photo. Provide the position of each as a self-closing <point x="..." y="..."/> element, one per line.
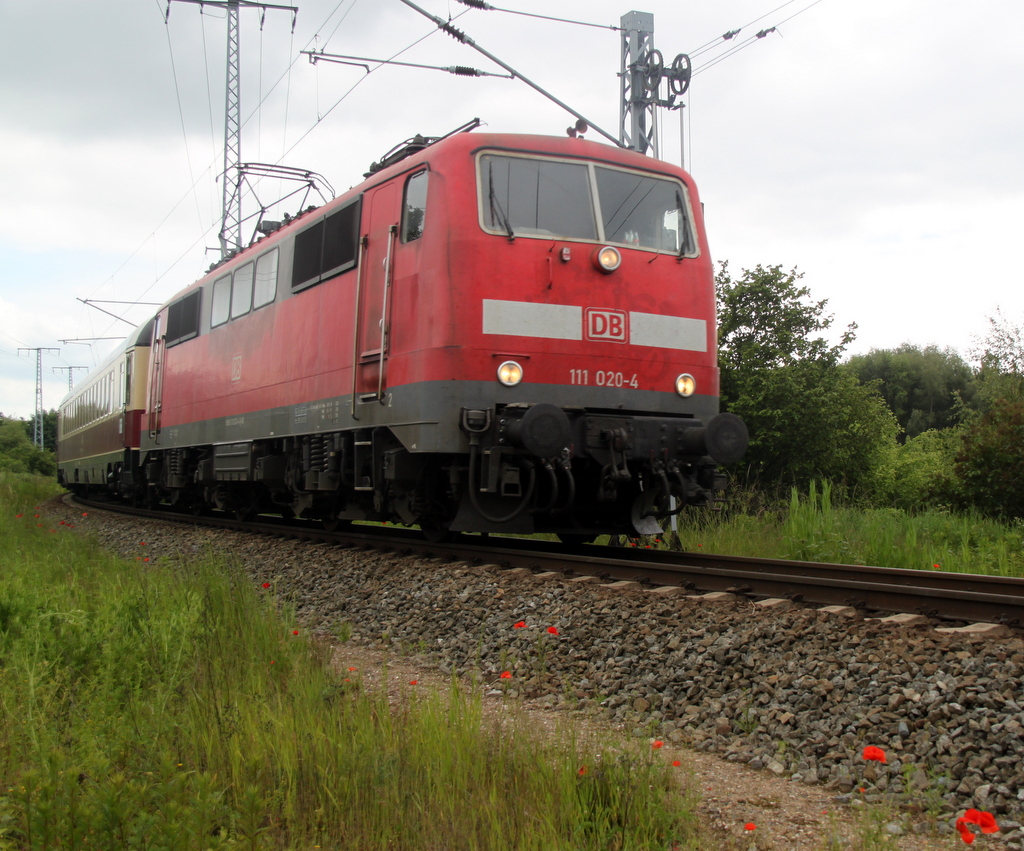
<point x="414" y="208"/>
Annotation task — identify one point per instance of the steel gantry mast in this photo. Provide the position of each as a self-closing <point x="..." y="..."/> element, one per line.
<point x="231" y="222"/>
<point x="640" y="76"/>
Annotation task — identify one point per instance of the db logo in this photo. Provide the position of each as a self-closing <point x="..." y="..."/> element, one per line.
<point x="611" y="326"/>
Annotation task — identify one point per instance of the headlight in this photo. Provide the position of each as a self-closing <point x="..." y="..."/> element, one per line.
<point x="686" y="385"/>
<point x="510" y="373"/>
<point x="607" y="259"/>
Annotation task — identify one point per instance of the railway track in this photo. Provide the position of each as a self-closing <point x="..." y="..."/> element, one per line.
<point x="964" y="598"/>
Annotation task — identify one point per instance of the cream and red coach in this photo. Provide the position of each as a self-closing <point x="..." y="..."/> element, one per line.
<point x="490" y="333"/>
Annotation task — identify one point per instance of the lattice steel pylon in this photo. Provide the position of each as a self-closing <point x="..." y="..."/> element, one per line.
<point x="230" y="235"/>
<point x="37" y="426"/>
<point x="231" y="224"/>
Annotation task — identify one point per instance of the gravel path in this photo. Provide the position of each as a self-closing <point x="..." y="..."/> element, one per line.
<point x="795" y="695"/>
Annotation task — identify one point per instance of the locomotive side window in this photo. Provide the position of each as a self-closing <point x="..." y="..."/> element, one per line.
<point x="537" y="197"/>
<point x="415" y="207"/>
<point x="266" y="279"/>
<point x="221" y="308"/>
<point x="643" y="211"/>
<point x="309" y="247"/>
<point x="341" y="239"/>
<point x="241" y="291"/>
<point x="183" y="318"/>
<point x="328" y="247"/>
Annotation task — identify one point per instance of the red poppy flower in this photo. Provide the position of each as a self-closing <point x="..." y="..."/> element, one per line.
<point x="553" y="630"/>
<point x="18" y="516"/>
<point x="142" y="543"/>
<point x="85" y="513"/>
<point x="676" y="763"/>
<point x="582" y="771"/>
<point x="351" y="669"/>
<point x="295" y="632"/>
<point x="964" y="831"/>
<point x="520" y="625"/>
<point x="657" y="743"/>
<point x="750" y="826"/>
<point x="414" y="682"/>
<point x="266" y="584"/>
<point x="871" y="753"/>
<point x="36" y="515"/>
<point x="987" y="823"/>
<point x="935" y="566"/>
<point x="271" y="661"/>
<point x="146" y="558"/>
<point x="506" y="675"/>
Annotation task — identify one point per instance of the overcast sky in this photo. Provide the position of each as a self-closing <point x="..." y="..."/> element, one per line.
<point x="876" y="145"/>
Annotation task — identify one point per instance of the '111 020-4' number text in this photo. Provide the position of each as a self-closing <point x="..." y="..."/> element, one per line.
<point x="603" y="378"/>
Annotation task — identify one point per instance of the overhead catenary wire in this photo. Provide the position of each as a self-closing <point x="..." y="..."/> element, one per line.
<point x="487" y="7"/>
<point x="730" y="34"/>
<point x="754" y="38"/>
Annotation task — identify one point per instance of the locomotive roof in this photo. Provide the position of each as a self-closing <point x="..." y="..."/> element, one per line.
<point x="457" y="146"/>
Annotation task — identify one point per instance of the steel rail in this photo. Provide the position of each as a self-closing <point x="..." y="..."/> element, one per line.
<point x="936" y="594"/>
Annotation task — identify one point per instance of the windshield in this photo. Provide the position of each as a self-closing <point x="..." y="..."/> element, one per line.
<point x="527" y="196"/>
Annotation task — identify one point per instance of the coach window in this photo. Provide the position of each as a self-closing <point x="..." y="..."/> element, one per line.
<point x="415" y="207"/>
<point x="221" y="301"/>
<point x="241" y="291"/>
<point x="266" y="279"/>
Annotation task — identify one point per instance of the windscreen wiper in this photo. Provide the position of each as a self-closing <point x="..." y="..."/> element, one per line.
<point x="495" y="204"/>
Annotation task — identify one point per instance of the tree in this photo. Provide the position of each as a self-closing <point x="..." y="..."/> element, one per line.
<point x="49" y="429"/>
<point x="808" y="416"/>
<point x="925" y="388"/>
<point x="990" y="466"/>
<point x="1000" y="355"/>
<point x="18" y="455"/>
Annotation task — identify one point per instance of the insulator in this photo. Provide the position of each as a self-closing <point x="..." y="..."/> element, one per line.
<point x="476" y="4"/>
<point x="463" y="71"/>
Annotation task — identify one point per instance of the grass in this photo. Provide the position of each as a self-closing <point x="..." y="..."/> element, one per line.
<point x="812" y="528"/>
<point x="175" y="707"/>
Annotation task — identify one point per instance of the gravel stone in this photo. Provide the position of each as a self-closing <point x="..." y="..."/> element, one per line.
<point x="749" y="684"/>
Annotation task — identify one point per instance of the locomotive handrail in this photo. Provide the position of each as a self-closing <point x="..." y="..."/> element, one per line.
<point x="392" y="231"/>
<point x="355" y="326"/>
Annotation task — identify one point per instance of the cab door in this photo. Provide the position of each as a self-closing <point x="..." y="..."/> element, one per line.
<point x="373" y="310"/>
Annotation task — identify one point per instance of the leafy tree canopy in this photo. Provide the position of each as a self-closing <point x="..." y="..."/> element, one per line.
<point x="1000" y="355"/>
<point x="990" y="466"/>
<point x="19" y="455"/>
<point x="808" y="416"/>
<point x="925" y="388"/>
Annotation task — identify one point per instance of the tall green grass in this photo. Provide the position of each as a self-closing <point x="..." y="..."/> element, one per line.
<point x="174" y="707"/>
<point x="812" y="527"/>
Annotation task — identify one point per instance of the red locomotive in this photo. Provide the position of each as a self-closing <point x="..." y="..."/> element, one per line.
<point x="490" y="333"/>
